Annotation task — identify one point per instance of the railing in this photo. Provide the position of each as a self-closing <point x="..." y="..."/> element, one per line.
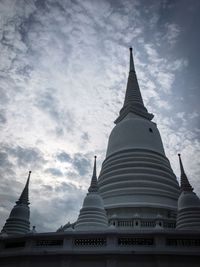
<point x="135" y="241"/>
<point x="48" y="243"/>
<point x="183" y="242"/>
<point x="107" y="242"/>
<point x="139" y="223"/>
<point x="90" y="242"/>
<point x="148" y="223"/>
<point x="169" y="225"/>
<point x="124" y="223"/>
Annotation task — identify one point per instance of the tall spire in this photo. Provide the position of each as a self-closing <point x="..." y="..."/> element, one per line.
<point x="185" y="185"/>
<point x="133" y="100"/>
<point x="24" y="195"/>
<point x="94" y="184"/>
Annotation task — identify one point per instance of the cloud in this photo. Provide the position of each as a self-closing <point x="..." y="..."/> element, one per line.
<point x="4" y="162"/>
<point x="78" y="164"/>
<point x="172" y="33"/>
<point x="2" y="117"/>
<point x="66" y="198"/>
<point x="47" y="188"/>
<point x="81" y="163"/>
<point x="54" y="172"/>
<point x="63" y="157"/>
<point x="25" y="156"/>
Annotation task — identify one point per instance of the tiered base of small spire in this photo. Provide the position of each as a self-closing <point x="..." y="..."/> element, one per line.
<point x="18" y="221"/>
<point x="188" y="217"/>
<point x="92" y="215"/>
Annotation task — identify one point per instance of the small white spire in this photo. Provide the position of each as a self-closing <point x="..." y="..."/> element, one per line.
<point x="93" y="214"/>
<point x="18" y="221"/>
<point x="188" y="216"/>
<point x="185" y="184"/>
<point x="24" y="195"/>
<point x="94" y="184"/>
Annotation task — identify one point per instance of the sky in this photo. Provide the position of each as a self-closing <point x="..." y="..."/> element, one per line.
<point x="63" y="73"/>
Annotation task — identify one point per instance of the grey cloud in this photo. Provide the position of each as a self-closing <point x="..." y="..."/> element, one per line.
<point x="62" y="187"/>
<point x="59" y="132"/>
<point x="73" y="174"/>
<point x="54" y="172"/>
<point x="63" y="207"/>
<point x="63" y="157"/>
<point x="4" y="95"/>
<point x="81" y="163"/>
<point x="47" y="188"/>
<point x="85" y="136"/>
<point x="39" y="219"/>
<point x="26" y="156"/>
<point x="10" y="189"/>
<point x="2" y="117"/>
<point x="6" y="167"/>
<point x="48" y="102"/>
<point x="12" y="44"/>
<point x="41" y="4"/>
<point x="4" y="162"/>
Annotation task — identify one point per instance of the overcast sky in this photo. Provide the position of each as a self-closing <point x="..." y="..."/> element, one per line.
<point x="63" y="73"/>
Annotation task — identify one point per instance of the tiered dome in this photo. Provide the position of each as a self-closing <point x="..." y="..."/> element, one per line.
<point x="18" y="221"/>
<point x="136" y="174"/>
<point x="188" y="205"/>
<point x="92" y="215"/>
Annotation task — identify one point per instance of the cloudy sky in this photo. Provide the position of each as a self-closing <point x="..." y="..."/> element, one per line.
<point x="63" y="72"/>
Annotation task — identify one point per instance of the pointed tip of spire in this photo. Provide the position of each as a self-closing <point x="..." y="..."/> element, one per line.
<point x="133" y="102"/>
<point x="29" y="175"/>
<point x="94" y="184"/>
<point x="185" y="185"/>
<point x="24" y="195"/>
<point x="95" y="167"/>
<point x="132" y="68"/>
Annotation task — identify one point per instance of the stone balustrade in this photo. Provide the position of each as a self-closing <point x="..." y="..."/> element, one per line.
<point x="74" y="242"/>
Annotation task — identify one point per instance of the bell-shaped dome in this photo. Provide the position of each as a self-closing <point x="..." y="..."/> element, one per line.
<point x="93" y="200"/>
<point x="188" y="200"/>
<point x="188" y="217"/>
<point x="134" y="132"/>
<point x="92" y="215"/>
<point x="20" y="211"/>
